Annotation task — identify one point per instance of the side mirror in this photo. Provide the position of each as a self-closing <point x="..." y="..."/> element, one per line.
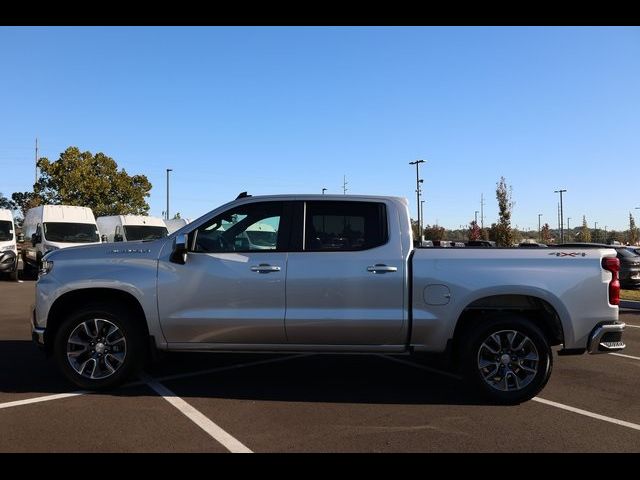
<point x="179" y="253"/>
<point x="104" y="239"/>
<point x="117" y="237"/>
<point x="21" y="238"/>
<point x="35" y="238"/>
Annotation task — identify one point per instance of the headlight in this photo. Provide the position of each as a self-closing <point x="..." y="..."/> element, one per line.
<point x="45" y="267"/>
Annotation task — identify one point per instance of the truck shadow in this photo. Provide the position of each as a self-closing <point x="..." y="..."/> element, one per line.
<point x="364" y="379"/>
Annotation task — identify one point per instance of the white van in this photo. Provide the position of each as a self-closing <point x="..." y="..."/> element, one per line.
<point x="127" y="228"/>
<point x="8" y="247"/>
<point x="50" y="227"/>
<point x="174" y="224"/>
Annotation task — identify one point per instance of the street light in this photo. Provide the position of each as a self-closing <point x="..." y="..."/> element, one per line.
<point x="418" y="181"/>
<point x="561" y="216"/>
<point x="167" y="212"/>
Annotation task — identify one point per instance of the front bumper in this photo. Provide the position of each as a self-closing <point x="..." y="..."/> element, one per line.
<point x="37" y="333"/>
<point x="606" y="338"/>
<point x="8" y="261"/>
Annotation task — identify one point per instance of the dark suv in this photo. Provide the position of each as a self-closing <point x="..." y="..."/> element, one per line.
<point x="629" y="262"/>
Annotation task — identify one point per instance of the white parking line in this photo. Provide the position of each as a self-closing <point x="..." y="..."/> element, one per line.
<point x="217" y="433"/>
<point x="625" y="356"/>
<point x="48" y="398"/>
<point x="586" y="413"/>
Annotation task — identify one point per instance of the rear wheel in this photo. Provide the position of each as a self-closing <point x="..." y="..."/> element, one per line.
<point x="507" y="358"/>
<point x="99" y="347"/>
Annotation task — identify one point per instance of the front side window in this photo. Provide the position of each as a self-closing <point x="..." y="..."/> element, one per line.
<point x="144" y="232"/>
<point x="64" y="232"/>
<point x="345" y="226"/>
<point x="248" y="228"/>
<point x="6" y="230"/>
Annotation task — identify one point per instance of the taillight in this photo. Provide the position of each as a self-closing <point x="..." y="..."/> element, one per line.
<point x="612" y="264"/>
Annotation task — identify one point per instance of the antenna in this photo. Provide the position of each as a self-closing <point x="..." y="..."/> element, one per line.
<point x="242" y="195"/>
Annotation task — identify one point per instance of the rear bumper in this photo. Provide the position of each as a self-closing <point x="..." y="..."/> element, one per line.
<point x="606" y="338"/>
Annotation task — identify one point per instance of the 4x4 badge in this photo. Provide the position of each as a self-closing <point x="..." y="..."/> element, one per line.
<point x="565" y="254"/>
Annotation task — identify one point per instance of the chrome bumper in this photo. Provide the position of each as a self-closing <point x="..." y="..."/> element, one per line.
<point x="606" y="338"/>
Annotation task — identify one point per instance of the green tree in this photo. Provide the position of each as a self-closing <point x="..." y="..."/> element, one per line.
<point x="94" y="181"/>
<point x="5" y="202"/>
<point x="634" y="234"/>
<point x="504" y="233"/>
<point x="177" y="215"/>
<point x="585" y="233"/>
<point x="23" y="201"/>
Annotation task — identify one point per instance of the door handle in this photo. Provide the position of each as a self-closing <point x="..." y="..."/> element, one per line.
<point x="265" y="268"/>
<point x="381" y="268"/>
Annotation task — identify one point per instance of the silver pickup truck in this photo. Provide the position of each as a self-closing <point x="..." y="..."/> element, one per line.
<point x="322" y="273"/>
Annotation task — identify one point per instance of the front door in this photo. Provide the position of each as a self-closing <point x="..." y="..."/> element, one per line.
<point x="232" y="288"/>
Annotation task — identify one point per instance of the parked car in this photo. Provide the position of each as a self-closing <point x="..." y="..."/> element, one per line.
<point x="629" y="262"/>
<point x="481" y="243"/>
<point x="493" y="314"/>
<point x="126" y="228"/>
<point x="8" y="245"/>
<point x="51" y="227"/>
<point x="532" y="245"/>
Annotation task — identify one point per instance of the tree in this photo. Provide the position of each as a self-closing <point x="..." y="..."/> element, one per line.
<point x="545" y="233"/>
<point x="634" y="234"/>
<point x="94" y="181"/>
<point x="474" y="230"/>
<point x="504" y="234"/>
<point x="585" y="233"/>
<point x="177" y="215"/>
<point x="434" y="232"/>
<point x="23" y="201"/>
<point x="5" y="202"/>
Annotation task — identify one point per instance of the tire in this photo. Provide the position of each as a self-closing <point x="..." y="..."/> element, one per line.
<point x="99" y="347"/>
<point x="507" y="359"/>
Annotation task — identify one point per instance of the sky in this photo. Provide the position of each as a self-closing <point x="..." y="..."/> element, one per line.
<point x="273" y="110"/>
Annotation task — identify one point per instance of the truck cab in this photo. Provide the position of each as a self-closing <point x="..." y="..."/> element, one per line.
<point x="128" y="228"/>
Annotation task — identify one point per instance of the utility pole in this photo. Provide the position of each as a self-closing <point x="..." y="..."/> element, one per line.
<point x="344" y="184"/>
<point x="539" y="230"/>
<point x="421" y="215"/>
<point x="167" y="212"/>
<point x="561" y="215"/>
<point x="417" y="164"/>
<point x="36" y="160"/>
<point x="482" y="211"/>
<point x="476" y="217"/>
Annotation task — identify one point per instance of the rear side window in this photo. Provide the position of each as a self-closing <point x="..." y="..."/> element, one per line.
<point x="345" y="226"/>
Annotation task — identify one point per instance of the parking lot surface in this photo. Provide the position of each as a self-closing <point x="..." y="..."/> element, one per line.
<point x="308" y="403"/>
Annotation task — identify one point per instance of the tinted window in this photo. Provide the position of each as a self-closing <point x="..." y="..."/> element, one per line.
<point x="71" y="232"/>
<point x="6" y="230"/>
<point x="248" y="228"/>
<point x="342" y="226"/>
<point x="144" y="232"/>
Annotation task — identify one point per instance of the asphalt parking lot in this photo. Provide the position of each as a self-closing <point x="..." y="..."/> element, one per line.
<point x="307" y="403"/>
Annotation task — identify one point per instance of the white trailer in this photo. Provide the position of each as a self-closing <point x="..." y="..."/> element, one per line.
<point x="127" y="228"/>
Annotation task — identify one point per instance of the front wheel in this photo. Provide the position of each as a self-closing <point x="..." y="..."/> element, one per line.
<point x="507" y="358"/>
<point x="99" y="347"/>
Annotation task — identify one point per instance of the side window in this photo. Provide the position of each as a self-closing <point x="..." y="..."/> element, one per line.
<point x="345" y="226"/>
<point x="254" y="227"/>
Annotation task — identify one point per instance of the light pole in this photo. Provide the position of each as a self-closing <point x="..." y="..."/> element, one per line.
<point x="476" y="212"/>
<point x="421" y="216"/>
<point x="167" y="212"/>
<point x="561" y="216"/>
<point x="417" y="164"/>
<point x="568" y="227"/>
<point x="595" y="230"/>
<point x="539" y="231"/>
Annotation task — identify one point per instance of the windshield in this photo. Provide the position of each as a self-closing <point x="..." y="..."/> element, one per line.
<point x="6" y="230"/>
<point x="71" y="232"/>
<point x="144" y="232"/>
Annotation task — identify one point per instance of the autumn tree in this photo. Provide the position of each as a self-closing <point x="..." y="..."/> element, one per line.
<point x="585" y="233"/>
<point x="474" y="230"/>
<point x="94" y="181"/>
<point x="545" y="233"/>
<point x="434" y="232"/>
<point x="504" y="233"/>
<point x="634" y="234"/>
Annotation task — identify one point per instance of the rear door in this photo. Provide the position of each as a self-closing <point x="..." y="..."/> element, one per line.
<point x="346" y="286"/>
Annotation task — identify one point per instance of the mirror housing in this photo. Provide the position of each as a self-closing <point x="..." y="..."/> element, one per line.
<point x="21" y="238"/>
<point x="179" y="253"/>
<point x="104" y="239"/>
<point x="35" y="238"/>
<point x="117" y="237"/>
